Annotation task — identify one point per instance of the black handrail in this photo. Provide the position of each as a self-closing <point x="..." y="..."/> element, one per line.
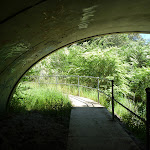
<point x="147" y="121"/>
<point x="131" y="111"/>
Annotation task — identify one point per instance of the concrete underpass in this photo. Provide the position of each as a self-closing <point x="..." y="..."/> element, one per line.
<point x="32" y="29"/>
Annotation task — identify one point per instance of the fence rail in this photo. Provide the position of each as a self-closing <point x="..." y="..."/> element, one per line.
<point x="147" y="121"/>
<point x="78" y="85"/>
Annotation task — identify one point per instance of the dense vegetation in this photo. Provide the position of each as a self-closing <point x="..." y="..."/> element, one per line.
<point x="31" y="97"/>
<point x="122" y="57"/>
<point x="39" y="118"/>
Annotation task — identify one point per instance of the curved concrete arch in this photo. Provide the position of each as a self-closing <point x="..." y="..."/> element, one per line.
<point x="32" y="29"/>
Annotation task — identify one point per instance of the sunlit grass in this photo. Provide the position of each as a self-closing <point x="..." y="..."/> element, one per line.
<point x="133" y="124"/>
<point x="34" y="97"/>
<point x="49" y="98"/>
<point x="83" y="92"/>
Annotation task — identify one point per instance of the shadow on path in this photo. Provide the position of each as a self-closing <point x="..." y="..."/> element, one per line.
<point x="91" y="128"/>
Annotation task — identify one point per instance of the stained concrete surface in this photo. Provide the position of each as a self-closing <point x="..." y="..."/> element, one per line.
<point x="32" y="29"/>
<point x="92" y="128"/>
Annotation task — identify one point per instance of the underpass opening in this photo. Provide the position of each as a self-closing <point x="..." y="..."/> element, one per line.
<point x="130" y="60"/>
<point x="30" y="30"/>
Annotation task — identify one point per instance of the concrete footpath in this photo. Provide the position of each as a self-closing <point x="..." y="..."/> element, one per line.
<point x="91" y="128"/>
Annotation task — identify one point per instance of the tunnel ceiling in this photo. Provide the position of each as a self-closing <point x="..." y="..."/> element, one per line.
<point x="31" y="29"/>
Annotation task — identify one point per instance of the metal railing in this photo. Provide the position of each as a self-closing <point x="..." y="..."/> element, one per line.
<point x="147" y="121"/>
<point x="78" y="82"/>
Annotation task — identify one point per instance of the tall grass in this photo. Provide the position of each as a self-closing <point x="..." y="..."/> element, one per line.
<point x="48" y="98"/>
<point x="83" y="92"/>
<point x="34" y="97"/>
<point x="135" y="125"/>
<point x="132" y="123"/>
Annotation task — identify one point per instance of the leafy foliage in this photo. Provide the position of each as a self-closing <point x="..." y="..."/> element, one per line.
<point x="122" y="57"/>
<point x="33" y="97"/>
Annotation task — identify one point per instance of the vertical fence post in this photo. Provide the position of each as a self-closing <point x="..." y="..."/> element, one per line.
<point x="112" y="81"/>
<point x="98" y="89"/>
<point x="78" y="86"/>
<point x="56" y="81"/>
<point x="148" y="119"/>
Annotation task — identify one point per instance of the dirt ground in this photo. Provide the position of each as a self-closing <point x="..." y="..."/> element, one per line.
<point x="33" y="130"/>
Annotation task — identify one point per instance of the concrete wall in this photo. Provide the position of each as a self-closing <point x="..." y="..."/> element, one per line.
<point x="32" y="29"/>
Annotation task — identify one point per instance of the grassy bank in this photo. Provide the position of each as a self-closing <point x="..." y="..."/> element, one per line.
<point x="34" y="97"/>
<point x="49" y="99"/>
<point x="40" y="117"/>
<point x="132" y="123"/>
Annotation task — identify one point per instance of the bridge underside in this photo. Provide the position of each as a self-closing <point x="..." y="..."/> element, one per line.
<point x="32" y="29"/>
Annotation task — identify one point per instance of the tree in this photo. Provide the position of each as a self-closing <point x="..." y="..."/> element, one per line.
<point x="124" y="57"/>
